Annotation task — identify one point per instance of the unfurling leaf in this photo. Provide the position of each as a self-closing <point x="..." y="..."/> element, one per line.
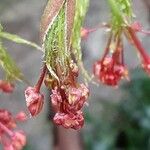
<point x="60" y="32"/>
<point x="56" y="32"/>
<point x="51" y="11"/>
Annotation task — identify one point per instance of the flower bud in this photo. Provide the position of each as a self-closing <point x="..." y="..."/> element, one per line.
<point x="18" y="140"/>
<point x="21" y="116"/>
<point x="136" y="26"/>
<point x="85" y="32"/>
<point x="34" y="100"/>
<point x="6" y="87"/>
<point x="146" y="65"/>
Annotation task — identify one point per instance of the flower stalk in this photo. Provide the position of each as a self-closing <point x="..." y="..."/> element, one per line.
<point x="40" y="81"/>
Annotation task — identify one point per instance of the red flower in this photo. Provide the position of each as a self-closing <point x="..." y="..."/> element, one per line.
<point x="34" y="100"/>
<point x="74" y="121"/>
<point x="137" y="27"/>
<point x="68" y="102"/>
<point x="6" y="86"/>
<point x="7" y="119"/>
<point x="85" y="32"/>
<point x="21" y="116"/>
<point x="76" y="98"/>
<point x="18" y="140"/>
<point x="10" y="139"/>
<point x="109" y="72"/>
<point x="146" y="65"/>
<point x="56" y="99"/>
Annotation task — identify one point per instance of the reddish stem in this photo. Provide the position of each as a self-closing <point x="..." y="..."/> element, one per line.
<point x="138" y="44"/>
<point x="40" y="81"/>
<point x="92" y="30"/>
<point x="122" y="54"/>
<point x="97" y="27"/>
<point x="107" y="47"/>
<point x="116" y="54"/>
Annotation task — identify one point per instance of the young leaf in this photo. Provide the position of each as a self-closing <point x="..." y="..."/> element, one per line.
<point x="9" y="66"/>
<point x="51" y="11"/>
<point x="56" y="31"/>
<point x="19" y="40"/>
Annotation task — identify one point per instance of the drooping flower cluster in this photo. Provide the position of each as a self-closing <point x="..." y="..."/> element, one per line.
<point x="67" y="98"/>
<point x="68" y="102"/>
<point x="110" y="69"/>
<point x="9" y="137"/>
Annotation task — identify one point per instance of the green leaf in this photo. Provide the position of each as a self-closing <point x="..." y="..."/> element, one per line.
<point x="56" y="52"/>
<point x="9" y="66"/>
<point x="19" y="40"/>
<point x="81" y="10"/>
<point x="120" y="10"/>
<point x="56" y="30"/>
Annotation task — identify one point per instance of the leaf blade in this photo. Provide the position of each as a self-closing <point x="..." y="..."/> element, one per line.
<point x="18" y="40"/>
<point x="9" y="66"/>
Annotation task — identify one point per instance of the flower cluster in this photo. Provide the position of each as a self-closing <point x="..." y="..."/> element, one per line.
<point x="67" y="98"/>
<point x="110" y="69"/>
<point x="68" y="102"/>
<point x="60" y="35"/>
<point x="10" y="139"/>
